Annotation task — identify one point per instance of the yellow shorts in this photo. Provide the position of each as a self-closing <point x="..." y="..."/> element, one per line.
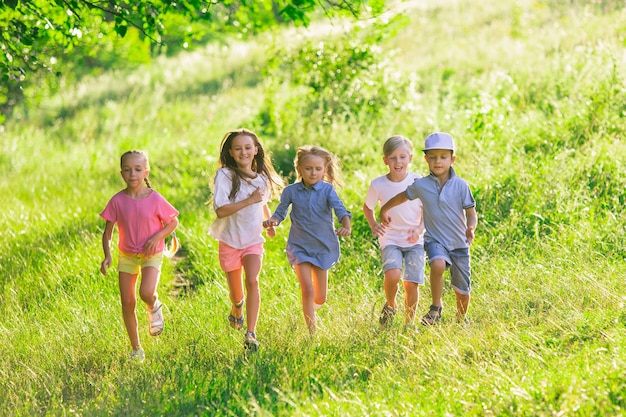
<point x="132" y="263"/>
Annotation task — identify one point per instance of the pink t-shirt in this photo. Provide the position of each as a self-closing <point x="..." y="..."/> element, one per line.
<point x="138" y="220"/>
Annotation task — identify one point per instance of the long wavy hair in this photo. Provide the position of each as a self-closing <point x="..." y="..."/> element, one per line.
<point x="261" y="163"/>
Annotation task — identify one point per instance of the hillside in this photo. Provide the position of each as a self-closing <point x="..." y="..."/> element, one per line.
<point x="534" y="94"/>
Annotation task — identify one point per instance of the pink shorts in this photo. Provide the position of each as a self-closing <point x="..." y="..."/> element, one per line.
<point x="230" y="258"/>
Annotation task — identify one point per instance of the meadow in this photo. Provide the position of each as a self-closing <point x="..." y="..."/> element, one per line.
<point x="534" y="93"/>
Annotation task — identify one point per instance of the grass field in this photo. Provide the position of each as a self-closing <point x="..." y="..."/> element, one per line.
<point x="533" y="92"/>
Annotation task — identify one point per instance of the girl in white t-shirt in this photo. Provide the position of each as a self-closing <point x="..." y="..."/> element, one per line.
<point x="402" y="241"/>
<point x="243" y="185"/>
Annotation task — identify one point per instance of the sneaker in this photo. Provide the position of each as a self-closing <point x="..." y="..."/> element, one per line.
<point x="387" y="315"/>
<point x="156" y="319"/>
<point x="137" y="355"/>
<point x="250" y="343"/>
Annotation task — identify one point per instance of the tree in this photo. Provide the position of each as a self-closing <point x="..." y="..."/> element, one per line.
<point x="36" y="36"/>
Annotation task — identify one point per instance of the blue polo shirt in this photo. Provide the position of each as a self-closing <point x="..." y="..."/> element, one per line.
<point x="444" y="208"/>
<point x="312" y="236"/>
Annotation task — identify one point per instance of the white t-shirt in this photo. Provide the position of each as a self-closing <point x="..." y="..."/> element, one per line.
<point x="404" y="217"/>
<point x="245" y="227"/>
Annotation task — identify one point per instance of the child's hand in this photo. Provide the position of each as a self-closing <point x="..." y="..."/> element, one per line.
<point x="469" y="234"/>
<point x="342" y="231"/>
<point x="150" y="247"/>
<point x="105" y="264"/>
<point x="270" y="231"/>
<point x="272" y="222"/>
<point x="256" y="196"/>
<point x="379" y="230"/>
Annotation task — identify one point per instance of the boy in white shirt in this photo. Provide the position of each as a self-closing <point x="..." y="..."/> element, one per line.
<point x="402" y="242"/>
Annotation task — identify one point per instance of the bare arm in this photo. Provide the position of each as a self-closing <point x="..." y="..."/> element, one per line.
<point x="106" y="246"/>
<point x="472" y="222"/>
<point x="151" y="244"/>
<point x="415" y="233"/>
<point x="232" y="208"/>
<point x="269" y="226"/>
<point x="395" y="201"/>
<point x="345" y="228"/>
<point x="377" y="229"/>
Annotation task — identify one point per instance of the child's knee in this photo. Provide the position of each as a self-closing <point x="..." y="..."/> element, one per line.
<point x="148" y="297"/>
<point x="129" y="303"/>
<point x="438" y="266"/>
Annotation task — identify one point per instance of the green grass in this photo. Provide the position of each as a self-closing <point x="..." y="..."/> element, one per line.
<point x="534" y="93"/>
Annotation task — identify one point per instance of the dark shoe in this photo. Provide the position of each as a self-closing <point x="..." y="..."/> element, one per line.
<point x="387" y="315"/>
<point x="430" y="319"/>
<point x="250" y="343"/>
<point x="236" y="322"/>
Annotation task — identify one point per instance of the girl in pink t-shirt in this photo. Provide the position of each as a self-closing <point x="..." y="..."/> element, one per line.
<point x="144" y="218"/>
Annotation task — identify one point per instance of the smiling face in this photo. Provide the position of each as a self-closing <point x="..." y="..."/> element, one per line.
<point x="134" y="170"/>
<point x="312" y="169"/>
<point x="439" y="161"/>
<point x="398" y="162"/>
<point x="243" y="150"/>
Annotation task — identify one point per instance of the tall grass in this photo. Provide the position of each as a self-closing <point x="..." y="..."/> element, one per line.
<point x="535" y="96"/>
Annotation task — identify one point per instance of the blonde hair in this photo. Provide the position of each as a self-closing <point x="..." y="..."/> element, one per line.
<point x="395" y="142"/>
<point x="261" y="163"/>
<point x="332" y="172"/>
<point x="172" y="247"/>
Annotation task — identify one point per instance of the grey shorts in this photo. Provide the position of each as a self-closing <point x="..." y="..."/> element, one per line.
<point x="457" y="260"/>
<point x="412" y="258"/>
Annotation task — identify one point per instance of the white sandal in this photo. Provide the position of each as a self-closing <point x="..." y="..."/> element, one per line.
<point x="156" y="319"/>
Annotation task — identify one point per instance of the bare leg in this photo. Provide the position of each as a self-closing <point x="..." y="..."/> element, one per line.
<point x="252" y="267"/>
<point x="392" y="278"/>
<point x="437" y="268"/>
<point x="148" y="287"/>
<point x="462" y="305"/>
<point x="235" y="287"/>
<point x="320" y="286"/>
<point x="411" y="298"/>
<point x="303" y="271"/>
<point x="127" y="284"/>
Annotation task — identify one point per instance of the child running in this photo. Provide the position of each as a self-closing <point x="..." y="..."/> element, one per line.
<point x="450" y="219"/>
<point x="401" y="242"/>
<point x="144" y="218"/>
<point x="244" y="183"/>
<point x="312" y="245"/>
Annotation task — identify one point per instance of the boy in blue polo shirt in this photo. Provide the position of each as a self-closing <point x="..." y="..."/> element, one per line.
<point x="450" y="219"/>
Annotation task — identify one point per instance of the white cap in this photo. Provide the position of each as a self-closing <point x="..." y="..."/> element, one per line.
<point x="439" y="140"/>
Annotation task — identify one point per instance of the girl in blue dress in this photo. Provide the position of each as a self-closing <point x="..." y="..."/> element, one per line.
<point x="313" y="246"/>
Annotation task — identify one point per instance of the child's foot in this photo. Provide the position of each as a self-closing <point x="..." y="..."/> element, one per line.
<point x="137" y="355"/>
<point x="236" y="322"/>
<point x="433" y="316"/>
<point x="156" y="319"/>
<point x="387" y="315"/>
<point x="250" y="343"/>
